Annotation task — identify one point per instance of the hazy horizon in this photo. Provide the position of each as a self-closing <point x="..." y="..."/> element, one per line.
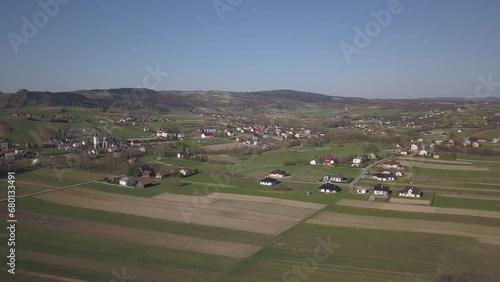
<point x="424" y="48"/>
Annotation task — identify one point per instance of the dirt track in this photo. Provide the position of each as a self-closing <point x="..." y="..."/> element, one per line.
<point x="234" y="213"/>
<point x="415" y="208"/>
<point x="139" y="236"/>
<point x="485" y="234"/>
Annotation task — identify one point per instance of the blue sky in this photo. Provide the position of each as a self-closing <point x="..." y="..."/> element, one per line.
<point x="431" y="48"/>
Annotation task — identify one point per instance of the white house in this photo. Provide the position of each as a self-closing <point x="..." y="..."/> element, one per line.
<point x="334" y="177"/>
<point x="278" y="173"/>
<point x="313" y="162"/>
<point x="362" y="191"/>
<point x="186" y="172"/>
<point x="381" y="190"/>
<point x="329" y="188"/>
<point x="268" y="181"/>
<point x="423" y="153"/>
<point x="384" y="177"/>
<point x="127" y="181"/>
<point x="357" y="161"/>
<point x="414" y="148"/>
<point x="411" y="192"/>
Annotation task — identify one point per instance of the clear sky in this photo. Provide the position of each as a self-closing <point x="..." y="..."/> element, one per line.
<point x="429" y="48"/>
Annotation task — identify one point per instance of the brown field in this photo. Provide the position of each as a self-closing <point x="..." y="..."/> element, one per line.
<point x="410" y="201"/>
<point x="445" y="166"/>
<point x="485" y="234"/>
<point x="271" y="219"/>
<point x="416" y="208"/>
<point x="472" y="197"/>
<point x="138" y="236"/>
<point x="221" y="147"/>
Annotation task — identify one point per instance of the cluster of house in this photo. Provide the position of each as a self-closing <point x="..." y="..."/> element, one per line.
<point x="327" y="182"/>
<point x="148" y="174"/>
<point x="423" y="150"/>
<point x="476" y="141"/>
<point x="386" y="173"/>
<point x="383" y="190"/>
<point x="170" y="134"/>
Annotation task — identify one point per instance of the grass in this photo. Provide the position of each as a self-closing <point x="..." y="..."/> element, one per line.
<point x="122" y="253"/>
<point x="367" y="255"/>
<point x="414" y="215"/>
<point x="35" y="205"/>
<point x="446" y="202"/>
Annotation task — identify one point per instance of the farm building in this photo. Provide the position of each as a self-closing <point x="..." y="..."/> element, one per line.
<point x="334" y="177"/>
<point x="268" y="181"/>
<point x="329" y="188"/>
<point x="381" y="190"/>
<point x="278" y="173"/>
<point x="411" y="192"/>
<point x="163" y="174"/>
<point x="186" y="172"/>
<point x="313" y="162"/>
<point x="127" y="181"/>
<point x="143" y="183"/>
<point x="148" y="173"/>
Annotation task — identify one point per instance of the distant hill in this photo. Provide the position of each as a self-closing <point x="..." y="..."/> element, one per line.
<point x="204" y="101"/>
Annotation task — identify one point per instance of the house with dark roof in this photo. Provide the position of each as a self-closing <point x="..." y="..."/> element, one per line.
<point x="381" y="190"/>
<point x="384" y="177"/>
<point x="278" y="173"/>
<point x="329" y="188"/>
<point x="411" y="192"/>
<point x="143" y="183"/>
<point x="186" y="172"/>
<point x="268" y="181"/>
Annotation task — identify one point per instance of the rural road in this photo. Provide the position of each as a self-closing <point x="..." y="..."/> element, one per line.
<point x="363" y="172"/>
